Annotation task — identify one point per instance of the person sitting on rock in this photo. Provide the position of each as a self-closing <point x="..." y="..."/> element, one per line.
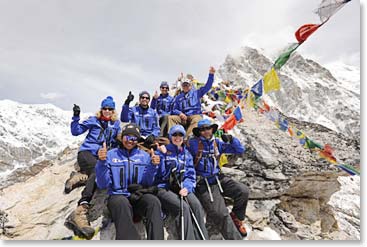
<point x="187" y="106"/>
<point x="143" y="116"/>
<point x="176" y="164"/>
<point x="213" y="185"/>
<point x="163" y="105"/>
<point x="102" y="128"/>
<point x="121" y="169"/>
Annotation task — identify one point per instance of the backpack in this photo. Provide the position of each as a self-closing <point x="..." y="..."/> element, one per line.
<point x="201" y="149"/>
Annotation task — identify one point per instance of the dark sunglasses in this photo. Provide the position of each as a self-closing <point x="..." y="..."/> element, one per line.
<point x="177" y="134"/>
<point x="164" y="88"/>
<point x="205" y="128"/>
<point x="107" y="109"/>
<point x="144" y="97"/>
<point x="131" y="138"/>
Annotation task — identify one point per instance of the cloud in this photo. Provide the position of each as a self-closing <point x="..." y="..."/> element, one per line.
<point x="52" y="96"/>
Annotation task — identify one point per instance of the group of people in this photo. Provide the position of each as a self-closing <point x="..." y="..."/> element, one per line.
<point x="181" y="178"/>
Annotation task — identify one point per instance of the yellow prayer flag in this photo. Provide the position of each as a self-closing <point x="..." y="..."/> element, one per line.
<point x="271" y="81"/>
<point x="250" y="100"/>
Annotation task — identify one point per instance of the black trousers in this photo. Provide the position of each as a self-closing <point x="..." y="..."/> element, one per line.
<point x="217" y="210"/>
<point x="147" y="207"/>
<point x="87" y="162"/>
<point x="171" y="204"/>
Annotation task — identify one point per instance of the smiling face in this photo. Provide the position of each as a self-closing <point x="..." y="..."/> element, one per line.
<point x="206" y="132"/>
<point x="144" y="100"/>
<point x="177" y="139"/>
<point x="186" y="87"/>
<point x="129" y="142"/>
<point x="107" y="112"/>
<point x="164" y="90"/>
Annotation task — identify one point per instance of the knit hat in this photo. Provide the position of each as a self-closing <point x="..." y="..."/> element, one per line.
<point x="142" y="93"/>
<point x="108" y="102"/>
<point x="164" y="84"/>
<point x="130" y="129"/>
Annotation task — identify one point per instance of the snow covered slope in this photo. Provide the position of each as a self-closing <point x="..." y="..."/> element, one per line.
<point x="309" y="91"/>
<point x="32" y="133"/>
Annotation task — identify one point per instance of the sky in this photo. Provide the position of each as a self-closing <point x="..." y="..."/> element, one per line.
<point x="66" y="51"/>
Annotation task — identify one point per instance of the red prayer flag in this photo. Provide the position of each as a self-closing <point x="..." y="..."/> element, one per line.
<point x="305" y="31"/>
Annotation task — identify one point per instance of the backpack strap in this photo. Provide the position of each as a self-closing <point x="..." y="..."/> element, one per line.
<point x="200" y="152"/>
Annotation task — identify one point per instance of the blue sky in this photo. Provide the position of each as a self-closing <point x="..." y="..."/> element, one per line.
<point x="66" y="52"/>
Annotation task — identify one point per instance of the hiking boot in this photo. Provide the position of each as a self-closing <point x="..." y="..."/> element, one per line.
<point x="78" y="222"/>
<point x="239" y="224"/>
<point x="76" y="180"/>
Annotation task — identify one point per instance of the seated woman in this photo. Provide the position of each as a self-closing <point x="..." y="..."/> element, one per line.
<point x="176" y="181"/>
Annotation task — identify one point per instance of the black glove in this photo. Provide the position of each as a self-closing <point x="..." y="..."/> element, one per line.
<point x="76" y="110"/>
<point x="129" y="98"/>
<point x="149" y="140"/>
<point x="227" y="138"/>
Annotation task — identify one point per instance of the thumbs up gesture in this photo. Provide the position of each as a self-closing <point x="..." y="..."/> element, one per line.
<point x="102" y="152"/>
<point x="155" y="158"/>
<point x="129" y="98"/>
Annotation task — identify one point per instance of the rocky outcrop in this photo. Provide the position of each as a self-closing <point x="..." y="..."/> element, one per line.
<point x="309" y="92"/>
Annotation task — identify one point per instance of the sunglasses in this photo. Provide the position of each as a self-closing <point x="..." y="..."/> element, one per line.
<point x="185" y="84"/>
<point x="177" y="134"/>
<point x="131" y="138"/>
<point x="164" y="88"/>
<point x="144" y="97"/>
<point x="107" y="109"/>
<point x="205" y="128"/>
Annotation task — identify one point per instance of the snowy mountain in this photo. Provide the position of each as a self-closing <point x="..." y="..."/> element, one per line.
<point x="309" y="92"/>
<point x="31" y="134"/>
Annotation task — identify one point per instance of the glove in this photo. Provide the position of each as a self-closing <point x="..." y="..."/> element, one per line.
<point x="227" y="138"/>
<point x="149" y="140"/>
<point x="129" y="98"/>
<point x="76" y="110"/>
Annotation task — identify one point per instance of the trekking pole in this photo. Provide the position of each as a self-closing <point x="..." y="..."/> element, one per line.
<point x="182" y="207"/>
<point x="173" y="171"/>
<point x="195" y="220"/>
<point x="209" y="189"/>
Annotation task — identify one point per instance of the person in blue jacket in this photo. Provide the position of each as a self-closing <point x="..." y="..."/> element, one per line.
<point x="117" y="171"/>
<point x="213" y="184"/>
<point x="163" y="105"/>
<point x="176" y="161"/>
<point x="187" y="106"/>
<point x="143" y="116"/>
<point x="102" y="128"/>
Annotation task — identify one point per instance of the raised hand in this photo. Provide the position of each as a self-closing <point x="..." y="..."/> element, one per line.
<point x="156" y="95"/>
<point x="102" y="152"/>
<point x="76" y="110"/>
<point x="129" y="98"/>
<point x="211" y="70"/>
